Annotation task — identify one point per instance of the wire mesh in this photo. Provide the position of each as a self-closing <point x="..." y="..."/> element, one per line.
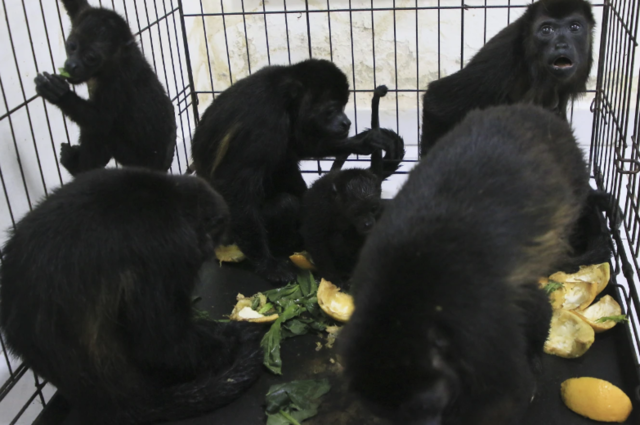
<point x="198" y="49"/>
<point x="614" y="148"/>
<point x="32" y="36"/>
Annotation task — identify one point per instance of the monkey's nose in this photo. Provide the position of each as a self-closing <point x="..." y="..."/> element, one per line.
<point x="562" y="45"/>
<point x="71" y="66"/>
<point x="346" y="123"/>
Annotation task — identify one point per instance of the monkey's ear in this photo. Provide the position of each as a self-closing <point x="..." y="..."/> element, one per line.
<point x="74" y="7"/>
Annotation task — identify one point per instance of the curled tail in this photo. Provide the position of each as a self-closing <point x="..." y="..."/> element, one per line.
<point x="384" y="167"/>
<point x="377" y="165"/>
<point x="214" y="388"/>
<point x="381" y="167"/>
<point x="380" y="91"/>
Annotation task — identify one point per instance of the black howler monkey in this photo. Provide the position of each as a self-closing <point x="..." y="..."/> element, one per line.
<point x="341" y="208"/>
<point x="96" y="296"/>
<point x="543" y="58"/>
<point x="449" y="319"/>
<point x="128" y="115"/>
<point x="250" y="140"/>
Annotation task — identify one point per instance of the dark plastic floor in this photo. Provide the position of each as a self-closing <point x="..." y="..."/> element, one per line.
<point x="609" y="358"/>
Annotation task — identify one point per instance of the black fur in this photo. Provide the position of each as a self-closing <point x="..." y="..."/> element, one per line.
<point x="128" y="116"/>
<point x="96" y="297"/>
<point x="516" y="66"/>
<point x="342" y="207"/>
<point x="449" y="324"/>
<point x="338" y="212"/>
<point x="250" y="140"/>
<point x="382" y="167"/>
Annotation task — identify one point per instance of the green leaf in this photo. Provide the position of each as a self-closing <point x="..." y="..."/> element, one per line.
<point x="291" y="301"/>
<point x="201" y="314"/>
<point x="290" y="418"/>
<point x="277" y="398"/>
<point x="301" y="415"/>
<point x="553" y="286"/>
<point x="271" y="341"/>
<point x="265" y="308"/>
<point x="277" y="419"/>
<point x="300" y="399"/>
<point x="618" y="319"/>
<point x="297" y="327"/>
<point x="305" y="394"/>
<point x="63" y="73"/>
<point x="308" y="285"/>
<point x="255" y="304"/>
<point x="283" y="296"/>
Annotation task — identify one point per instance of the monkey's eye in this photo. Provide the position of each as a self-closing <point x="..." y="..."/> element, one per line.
<point x="575" y="27"/>
<point x="546" y="29"/>
<point x="72" y="46"/>
<point x="90" y="59"/>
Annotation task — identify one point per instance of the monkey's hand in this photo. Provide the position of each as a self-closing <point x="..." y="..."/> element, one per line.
<point x="69" y="157"/>
<point x="373" y="140"/>
<point x="51" y="87"/>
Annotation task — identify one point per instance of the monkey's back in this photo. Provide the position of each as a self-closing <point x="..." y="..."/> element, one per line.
<point x="144" y="128"/>
<point x="514" y="173"/>
<point x="485" y="214"/>
<point x="76" y="268"/>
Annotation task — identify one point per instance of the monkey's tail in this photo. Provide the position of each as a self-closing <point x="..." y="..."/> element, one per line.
<point x="376" y="157"/>
<point x="214" y="388"/>
<point x="380" y="91"/>
<point x="384" y="167"/>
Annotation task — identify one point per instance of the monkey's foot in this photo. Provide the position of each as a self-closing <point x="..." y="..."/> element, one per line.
<point x="70" y="157"/>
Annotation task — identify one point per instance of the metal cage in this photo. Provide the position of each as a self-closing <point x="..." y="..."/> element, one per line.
<point x="198" y="49"/>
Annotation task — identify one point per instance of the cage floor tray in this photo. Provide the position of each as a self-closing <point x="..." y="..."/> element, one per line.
<point x="609" y="358"/>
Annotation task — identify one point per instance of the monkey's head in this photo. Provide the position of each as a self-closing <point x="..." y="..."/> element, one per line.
<point x="97" y="40"/>
<point x="357" y="194"/>
<point x="398" y="365"/>
<point x="560" y="38"/>
<point x="320" y="92"/>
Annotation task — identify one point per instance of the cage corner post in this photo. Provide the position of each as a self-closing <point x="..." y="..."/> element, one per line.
<point x="192" y="88"/>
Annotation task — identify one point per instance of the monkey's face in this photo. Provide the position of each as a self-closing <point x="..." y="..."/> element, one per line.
<point x="563" y="44"/>
<point x="359" y="199"/>
<point x="95" y="40"/>
<point x="326" y="118"/>
<point x="364" y="213"/>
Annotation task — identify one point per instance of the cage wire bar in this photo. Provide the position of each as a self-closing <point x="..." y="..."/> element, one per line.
<point x="614" y="147"/>
<point x="31" y="130"/>
<point x="198" y="49"/>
